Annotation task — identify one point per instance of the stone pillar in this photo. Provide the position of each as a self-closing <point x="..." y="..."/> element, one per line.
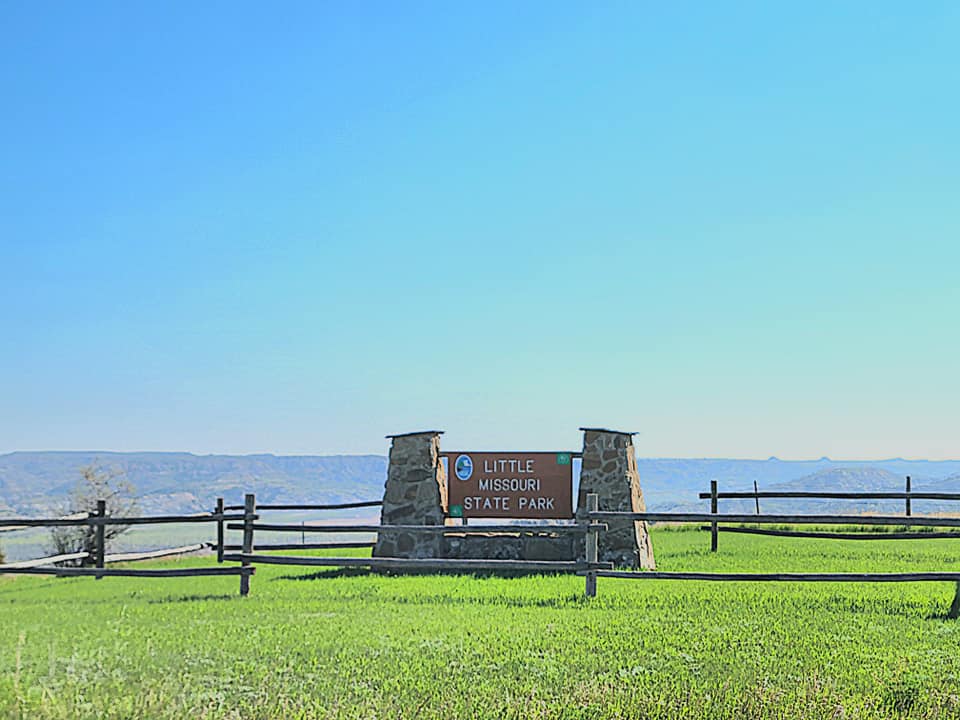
<point x="415" y="494"/>
<point x="609" y="469"/>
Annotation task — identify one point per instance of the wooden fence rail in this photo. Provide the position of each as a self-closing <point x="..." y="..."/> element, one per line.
<point x="714" y="518"/>
<point x="933" y="535"/>
<point x="328" y="506"/>
<point x="99" y="521"/>
<point x="41" y="562"/>
<point x="130" y="572"/>
<point x="787" y="577"/>
<point x="306" y="546"/>
<point x="748" y="495"/>
<point x="781" y="519"/>
<point x="154" y="554"/>
<point x="247" y="556"/>
<point x="455" y="564"/>
<point x="439" y="529"/>
<point x="107" y="559"/>
<point x="952" y="613"/>
<point x="6" y="527"/>
<point x="908" y="495"/>
<point x="93" y="520"/>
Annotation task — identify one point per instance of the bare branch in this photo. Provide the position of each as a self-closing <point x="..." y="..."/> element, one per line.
<point x="96" y="483"/>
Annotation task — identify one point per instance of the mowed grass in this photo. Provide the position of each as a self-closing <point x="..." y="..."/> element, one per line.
<point x="355" y="645"/>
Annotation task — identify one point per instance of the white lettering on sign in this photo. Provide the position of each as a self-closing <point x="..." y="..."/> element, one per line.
<point x="522" y="467"/>
<point x="536" y="503"/>
<point x="510" y="484"/>
<point x="486" y="503"/>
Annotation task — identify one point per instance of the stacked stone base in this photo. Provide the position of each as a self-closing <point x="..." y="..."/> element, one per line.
<point x="497" y="546"/>
<point x="486" y="546"/>
<point x="408" y="544"/>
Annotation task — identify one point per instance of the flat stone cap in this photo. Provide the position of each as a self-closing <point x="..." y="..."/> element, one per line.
<point x="607" y="430"/>
<point x="418" y="432"/>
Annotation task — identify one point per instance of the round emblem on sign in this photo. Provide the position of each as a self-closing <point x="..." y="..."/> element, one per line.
<point x="463" y="467"/>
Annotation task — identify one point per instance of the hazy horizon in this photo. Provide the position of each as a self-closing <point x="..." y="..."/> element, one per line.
<point x="478" y="448"/>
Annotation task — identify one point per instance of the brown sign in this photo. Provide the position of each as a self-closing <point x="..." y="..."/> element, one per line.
<point x="509" y="484"/>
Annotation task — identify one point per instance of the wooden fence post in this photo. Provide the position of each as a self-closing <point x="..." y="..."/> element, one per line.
<point x="220" y="530"/>
<point x="713" y="511"/>
<point x="908" y="496"/>
<point x="756" y="496"/>
<point x="100" y="537"/>
<point x="592" y="548"/>
<point x="249" y="510"/>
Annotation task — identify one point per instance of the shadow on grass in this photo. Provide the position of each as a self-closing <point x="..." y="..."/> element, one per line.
<point x="445" y="598"/>
<point x="364" y="572"/>
<point x="327" y="574"/>
<point x="910" y="608"/>
<point x="193" y="598"/>
<point x="561" y="601"/>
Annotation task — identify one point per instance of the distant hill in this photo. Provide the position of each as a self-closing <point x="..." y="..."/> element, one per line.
<point x="843" y="479"/>
<point x="944" y="485"/>
<point x="673" y="484"/>
<point x="33" y="483"/>
<point x="858" y="479"/>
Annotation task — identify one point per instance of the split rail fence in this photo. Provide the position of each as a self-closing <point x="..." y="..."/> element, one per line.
<point x="98" y="558"/>
<point x="251" y="552"/>
<point x="590" y="525"/>
<point x="908" y="496"/>
<point x="715" y="518"/>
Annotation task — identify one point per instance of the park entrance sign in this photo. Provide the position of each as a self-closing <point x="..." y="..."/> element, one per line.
<point x="537" y="485"/>
<point x="428" y="485"/>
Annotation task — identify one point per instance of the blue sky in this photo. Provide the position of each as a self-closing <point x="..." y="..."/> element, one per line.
<point x="238" y="227"/>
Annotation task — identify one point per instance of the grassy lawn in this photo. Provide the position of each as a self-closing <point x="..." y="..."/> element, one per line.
<point x="354" y="645"/>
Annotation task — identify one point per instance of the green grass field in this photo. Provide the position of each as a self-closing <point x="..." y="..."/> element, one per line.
<point x="363" y="646"/>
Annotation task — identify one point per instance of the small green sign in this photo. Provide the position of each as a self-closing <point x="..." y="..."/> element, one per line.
<point x="563" y="458"/>
<point x="456" y="511"/>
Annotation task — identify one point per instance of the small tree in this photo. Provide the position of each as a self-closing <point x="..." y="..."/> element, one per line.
<point x="96" y="483"/>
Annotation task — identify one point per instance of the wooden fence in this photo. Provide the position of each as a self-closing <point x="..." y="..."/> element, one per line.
<point x="99" y="521"/>
<point x="591" y="526"/>
<point x="715" y="518"/>
<point x="908" y="496"/>
<point x="249" y="549"/>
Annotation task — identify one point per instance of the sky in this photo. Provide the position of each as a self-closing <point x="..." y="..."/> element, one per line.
<point x="236" y="227"/>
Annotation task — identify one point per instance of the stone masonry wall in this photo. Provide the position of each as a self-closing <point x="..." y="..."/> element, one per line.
<point x="511" y="546"/>
<point x="415" y="494"/>
<point x="609" y="468"/>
